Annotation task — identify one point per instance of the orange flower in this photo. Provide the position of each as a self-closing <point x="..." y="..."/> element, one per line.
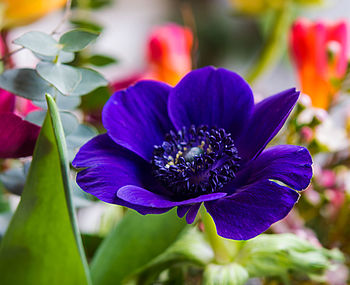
<point x="21" y="12"/>
<point x="168" y="56"/>
<point x="319" y="50"/>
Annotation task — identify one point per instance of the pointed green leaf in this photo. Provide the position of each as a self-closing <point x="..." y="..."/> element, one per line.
<point x="100" y="60"/>
<point x="135" y="241"/>
<point x="76" y="40"/>
<point x="39" y="43"/>
<point x="42" y="245"/>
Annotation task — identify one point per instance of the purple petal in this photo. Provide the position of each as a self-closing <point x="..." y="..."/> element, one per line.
<point x="289" y="164"/>
<point x="267" y="119"/>
<point x="139" y="196"/>
<point x="17" y="137"/>
<point x="108" y="168"/>
<point x="192" y="213"/>
<point x="213" y="97"/>
<point x="252" y="210"/>
<point x="137" y="118"/>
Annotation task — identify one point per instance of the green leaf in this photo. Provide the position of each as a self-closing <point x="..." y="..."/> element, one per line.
<point x="14" y="178"/>
<point x="95" y="100"/>
<point x="100" y="60"/>
<point x="42" y="245"/>
<point x="90" y="81"/>
<point x="26" y="83"/>
<point x="135" y="241"/>
<point x="76" y="40"/>
<point x="69" y="121"/>
<point x="80" y="136"/>
<point x="87" y="25"/>
<point x="278" y="254"/>
<point x="70" y="80"/>
<point x="63" y="57"/>
<point x="63" y="102"/>
<point x="233" y="273"/>
<point x="39" y="43"/>
<point x="190" y="247"/>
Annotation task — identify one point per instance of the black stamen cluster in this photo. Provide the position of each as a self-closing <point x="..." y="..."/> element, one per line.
<point x="195" y="161"/>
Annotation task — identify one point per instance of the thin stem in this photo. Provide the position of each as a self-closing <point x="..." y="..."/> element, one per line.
<point x="67" y="13"/>
<point x="272" y="50"/>
<point x="222" y="254"/>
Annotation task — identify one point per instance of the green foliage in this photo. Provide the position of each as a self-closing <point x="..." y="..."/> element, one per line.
<point x="133" y="243"/>
<point x="14" y="179"/>
<point x="70" y="80"/>
<point x="100" y="60"/>
<point x="39" y="42"/>
<point x="87" y="25"/>
<point x="190" y="247"/>
<point x="76" y="40"/>
<point x="42" y="245"/>
<point x="26" y="83"/>
<point x="226" y="274"/>
<point x="276" y="255"/>
<point x="69" y="121"/>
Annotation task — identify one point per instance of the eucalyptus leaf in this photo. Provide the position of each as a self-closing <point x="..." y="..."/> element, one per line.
<point x="26" y="83"/>
<point x="81" y="135"/>
<point x="76" y="40"/>
<point x="64" y="77"/>
<point x="70" y="80"/>
<point x="14" y="179"/>
<point x="69" y="121"/>
<point x="76" y="139"/>
<point x="63" y="57"/>
<point x="42" y="245"/>
<point x="63" y="102"/>
<point x="91" y="80"/>
<point x="134" y="242"/>
<point x="39" y="42"/>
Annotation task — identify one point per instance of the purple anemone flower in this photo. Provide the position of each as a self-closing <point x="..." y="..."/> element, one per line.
<point x="202" y="141"/>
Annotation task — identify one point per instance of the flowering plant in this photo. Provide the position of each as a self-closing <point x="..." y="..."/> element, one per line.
<point x="182" y="173"/>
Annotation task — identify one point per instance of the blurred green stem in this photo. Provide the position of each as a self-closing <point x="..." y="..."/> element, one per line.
<point x="272" y="49"/>
<point x="222" y="254"/>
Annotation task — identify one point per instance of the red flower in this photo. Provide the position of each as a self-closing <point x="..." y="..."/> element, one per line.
<point x="319" y="50"/>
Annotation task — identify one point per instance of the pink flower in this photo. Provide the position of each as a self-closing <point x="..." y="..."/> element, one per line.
<point x="17" y="136"/>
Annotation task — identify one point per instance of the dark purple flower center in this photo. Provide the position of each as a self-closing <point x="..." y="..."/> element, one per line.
<point x="195" y="161"/>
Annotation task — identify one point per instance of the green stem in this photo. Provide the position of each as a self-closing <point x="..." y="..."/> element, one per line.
<point x="272" y="50"/>
<point x="222" y="254"/>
